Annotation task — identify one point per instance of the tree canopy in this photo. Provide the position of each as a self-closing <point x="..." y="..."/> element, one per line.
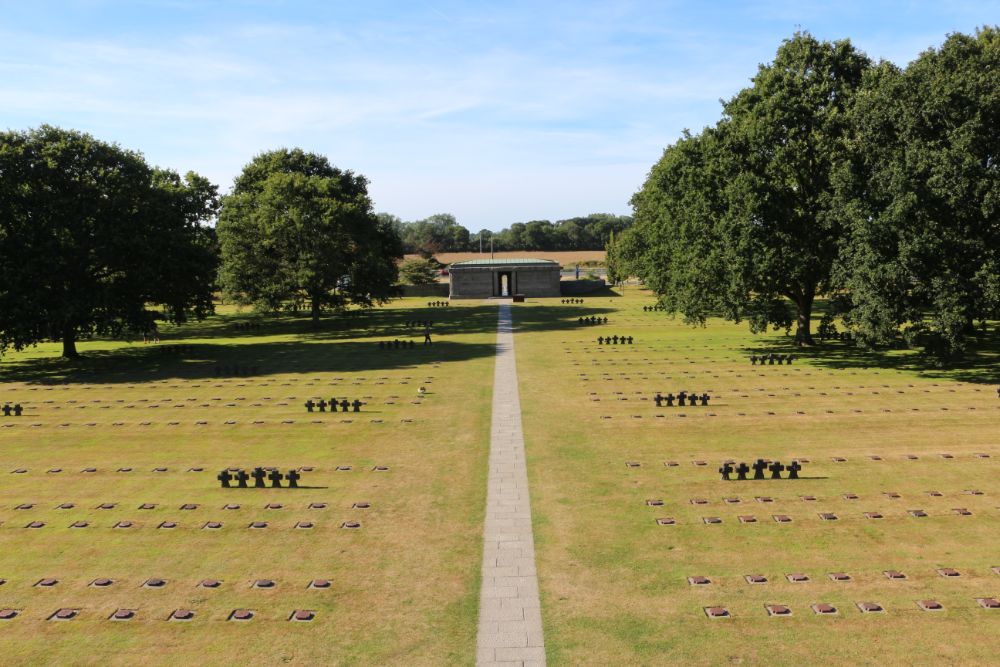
<point x="296" y="229"/>
<point x="742" y="219"/>
<point x="419" y="272"/>
<point x="924" y="202"/>
<point x="92" y="240"/>
<point x="876" y="186"/>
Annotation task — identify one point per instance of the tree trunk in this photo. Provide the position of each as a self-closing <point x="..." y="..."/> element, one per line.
<point x="69" y="343"/>
<point x="803" y="331"/>
<point x="315" y="311"/>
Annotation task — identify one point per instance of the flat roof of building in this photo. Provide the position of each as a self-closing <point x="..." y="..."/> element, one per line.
<point x="507" y="261"/>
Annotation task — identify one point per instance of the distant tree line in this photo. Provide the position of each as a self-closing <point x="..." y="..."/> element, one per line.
<point x="874" y="186"/>
<point x="442" y="233"/>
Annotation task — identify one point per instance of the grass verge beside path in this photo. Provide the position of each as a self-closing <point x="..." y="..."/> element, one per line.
<point x="404" y="586"/>
<point x="614" y="583"/>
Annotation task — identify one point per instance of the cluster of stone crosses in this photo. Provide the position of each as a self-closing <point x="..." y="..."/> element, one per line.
<point x="680" y="398"/>
<point x="16" y="409"/>
<point x="236" y="369"/>
<point x="650" y="309"/>
<point x="344" y="405"/>
<point x="438" y="304"/>
<point x="247" y="326"/>
<point x="593" y="319"/>
<point x="395" y="344"/>
<point x="771" y="359"/>
<point x="565" y="301"/>
<point x="759" y="467"/>
<point x="614" y="340"/>
<point x="259" y="475"/>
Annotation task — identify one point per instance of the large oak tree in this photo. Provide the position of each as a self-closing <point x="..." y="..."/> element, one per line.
<point x="297" y="229"/>
<point x="925" y="203"/>
<point x="742" y="219"/>
<point x="94" y="241"/>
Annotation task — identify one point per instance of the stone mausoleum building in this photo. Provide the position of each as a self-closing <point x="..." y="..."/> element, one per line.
<point x="485" y="278"/>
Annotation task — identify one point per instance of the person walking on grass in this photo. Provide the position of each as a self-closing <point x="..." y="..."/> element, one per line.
<point x="427" y="335"/>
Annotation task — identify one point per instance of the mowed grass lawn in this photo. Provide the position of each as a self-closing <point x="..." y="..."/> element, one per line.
<point x="614" y="583"/>
<point x="403" y="587"/>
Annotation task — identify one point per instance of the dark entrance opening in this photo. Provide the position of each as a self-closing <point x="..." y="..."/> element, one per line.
<point x="505" y="285"/>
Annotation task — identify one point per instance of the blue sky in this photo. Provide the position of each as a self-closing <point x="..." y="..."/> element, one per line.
<point x="495" y="112"/>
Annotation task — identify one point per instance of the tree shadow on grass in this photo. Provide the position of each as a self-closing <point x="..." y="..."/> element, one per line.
<point x="347" y="344"/>
<point x="248" y="360"/>
<point x="980" y="366"/>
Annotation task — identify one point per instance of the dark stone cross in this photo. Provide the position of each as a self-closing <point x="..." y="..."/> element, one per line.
<point x="793" y="470"/>
<point x="17" y="409"/>
<point x="224" y="477"/>
<point x="680" y="398"/>
<point x="344" y="405"/>
<point x="600" y="341"/>
<point x="659" y="400"/>
<point x="753" y="359"/>
<point x="258" y="475"/>
<point x="629" y="340"/>
<point x="322" y="405"/>
<point x="776" y="469"/>
<point x="241" y="478"/>
<point x="293" y="478"/>
<point x="704" y="399"/>
<point x="726" y="471"/>
<point x="789" y="359"/>
<point x="758" y="469"/>
<point x="6" y="410"/>
<point x="357" y="405"/>
<point x="741" y="471"/>
<point x="669" y="398"/>
<point x="275" y="478"/>
<point x="310" y="405"/>
<point x="614" y="339"/>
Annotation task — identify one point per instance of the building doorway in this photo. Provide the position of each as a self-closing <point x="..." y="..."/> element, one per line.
<point x="504" y="283"/>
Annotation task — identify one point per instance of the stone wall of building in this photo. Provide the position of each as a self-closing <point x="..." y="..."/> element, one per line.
<point x="480" y="282"/>
<point x="471" y="283"/>
<point x="537" y="281"/>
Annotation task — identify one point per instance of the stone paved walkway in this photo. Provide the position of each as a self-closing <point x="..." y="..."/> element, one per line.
<point x="510" y="619"/>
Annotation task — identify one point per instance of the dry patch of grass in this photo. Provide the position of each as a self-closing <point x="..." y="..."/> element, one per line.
<point x="614" y="583"/>
<point x="564" y="258"/>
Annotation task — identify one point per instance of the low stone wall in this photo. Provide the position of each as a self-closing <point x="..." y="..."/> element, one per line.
<point x="581" y="286"/>
<point x="437" y="289"/>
